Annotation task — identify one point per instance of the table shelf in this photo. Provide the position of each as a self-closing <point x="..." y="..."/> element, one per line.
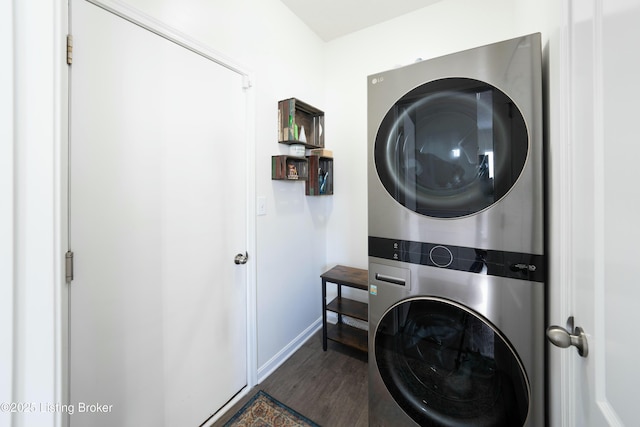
<point x="341" y="332"/>
<point x="348" y="307"/>
<point x="348" y="335"/>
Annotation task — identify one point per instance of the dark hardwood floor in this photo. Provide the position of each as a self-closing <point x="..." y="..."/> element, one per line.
<point x="329" y="387"/>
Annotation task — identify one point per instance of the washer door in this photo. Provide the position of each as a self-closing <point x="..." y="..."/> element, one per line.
<point x="445" y="365"/>
<point x="451" y="147"/>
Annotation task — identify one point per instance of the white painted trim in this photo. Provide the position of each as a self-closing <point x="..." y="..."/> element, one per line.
<point x="62" y="200"/>
<point x="36" y="264"/>
<point x="597" y="354"/>
<point x="597" y="346"/>
<point x="7" y="237"/>
<point x="564" y="250"/>
<point x="61" y="324"/>
<point x="252" y="246"/>
<point x="230" y="404"/>
<point x="279" y="358"/>
<point x="163" y="30"/>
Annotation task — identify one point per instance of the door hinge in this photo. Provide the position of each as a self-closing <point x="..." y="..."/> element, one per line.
<point x="69" y="49"/>
<point x="68" y="266"/>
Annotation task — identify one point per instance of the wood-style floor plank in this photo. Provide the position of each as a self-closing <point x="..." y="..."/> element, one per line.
<point x="330" y="388"/>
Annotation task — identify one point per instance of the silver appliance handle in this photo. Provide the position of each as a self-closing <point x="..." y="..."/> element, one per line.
<point x="390" y="279"/>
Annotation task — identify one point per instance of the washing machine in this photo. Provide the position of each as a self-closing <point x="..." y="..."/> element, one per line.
<point x="456" y="240"/>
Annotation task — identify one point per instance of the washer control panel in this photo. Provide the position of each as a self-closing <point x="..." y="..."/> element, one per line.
<point x="480" y="261"/>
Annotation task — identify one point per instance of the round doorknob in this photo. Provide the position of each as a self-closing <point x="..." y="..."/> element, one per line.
<point x="241" y="259"/>
<point x="560" y="337"/>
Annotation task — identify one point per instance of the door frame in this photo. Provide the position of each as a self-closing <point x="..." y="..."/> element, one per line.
<point x="34" y="81"/>
<point x="165" y="31"/>
<point x="560" y="292"/>
<point x="7" y="222"/>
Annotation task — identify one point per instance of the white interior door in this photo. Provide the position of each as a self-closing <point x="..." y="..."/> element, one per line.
<point x="157" y="214"/>
<point x="605" y="151"/>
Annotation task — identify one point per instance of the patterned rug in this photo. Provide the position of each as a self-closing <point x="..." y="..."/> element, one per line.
<point x="265" y="411"/>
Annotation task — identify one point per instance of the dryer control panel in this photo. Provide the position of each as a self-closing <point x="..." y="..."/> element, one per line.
<point x="481" y="261"/>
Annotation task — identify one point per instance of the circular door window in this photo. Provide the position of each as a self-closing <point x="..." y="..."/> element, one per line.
<point x="446" y="366"/>
<point x="451" y="147"/>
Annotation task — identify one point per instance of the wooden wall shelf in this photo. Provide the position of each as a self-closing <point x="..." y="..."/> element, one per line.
<point x="320" y="182"/>
<point x="300" y="123"/>
<point x="289" y="168"/>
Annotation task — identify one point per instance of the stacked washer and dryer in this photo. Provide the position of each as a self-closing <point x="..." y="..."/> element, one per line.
<point x="456" y="240"/>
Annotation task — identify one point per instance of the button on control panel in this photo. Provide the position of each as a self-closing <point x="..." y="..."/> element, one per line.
<point x="441" y="256"/>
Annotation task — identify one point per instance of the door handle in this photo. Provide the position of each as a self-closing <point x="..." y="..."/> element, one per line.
<point x="241" y="259"/>
<point x="561" y="337"/>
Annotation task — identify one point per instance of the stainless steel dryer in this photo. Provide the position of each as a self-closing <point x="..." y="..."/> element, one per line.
<point x="456" y="240"/>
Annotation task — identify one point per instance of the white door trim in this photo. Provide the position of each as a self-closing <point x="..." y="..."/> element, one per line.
<point x="34" y="81"/>
<point x="560" y="232"/>
<point x="147" y="22"/>
<point x="7" y="194"/>
<point x="163" y="30"/>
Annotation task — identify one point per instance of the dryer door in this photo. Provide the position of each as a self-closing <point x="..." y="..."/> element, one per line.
<point x="446" y="365"/>
<point x="451" y="147"/>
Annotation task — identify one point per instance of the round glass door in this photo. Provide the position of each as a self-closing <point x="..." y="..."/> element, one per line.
<point x="446" y="366"/>
<point x="451" y="147"/>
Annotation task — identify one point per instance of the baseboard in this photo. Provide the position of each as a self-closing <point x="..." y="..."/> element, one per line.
<point x="268" y="368"/>
<point x="230" y="404"/>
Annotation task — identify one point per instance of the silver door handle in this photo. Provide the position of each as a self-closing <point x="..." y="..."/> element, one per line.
<point x="562" y="338"/>
<point x="241" y="259"/>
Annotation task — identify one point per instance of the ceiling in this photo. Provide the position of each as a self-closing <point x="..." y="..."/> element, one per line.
<point x="330" y="19"/>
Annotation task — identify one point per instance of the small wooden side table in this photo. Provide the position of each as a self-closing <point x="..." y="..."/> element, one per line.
<point x="341" y="332"/>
